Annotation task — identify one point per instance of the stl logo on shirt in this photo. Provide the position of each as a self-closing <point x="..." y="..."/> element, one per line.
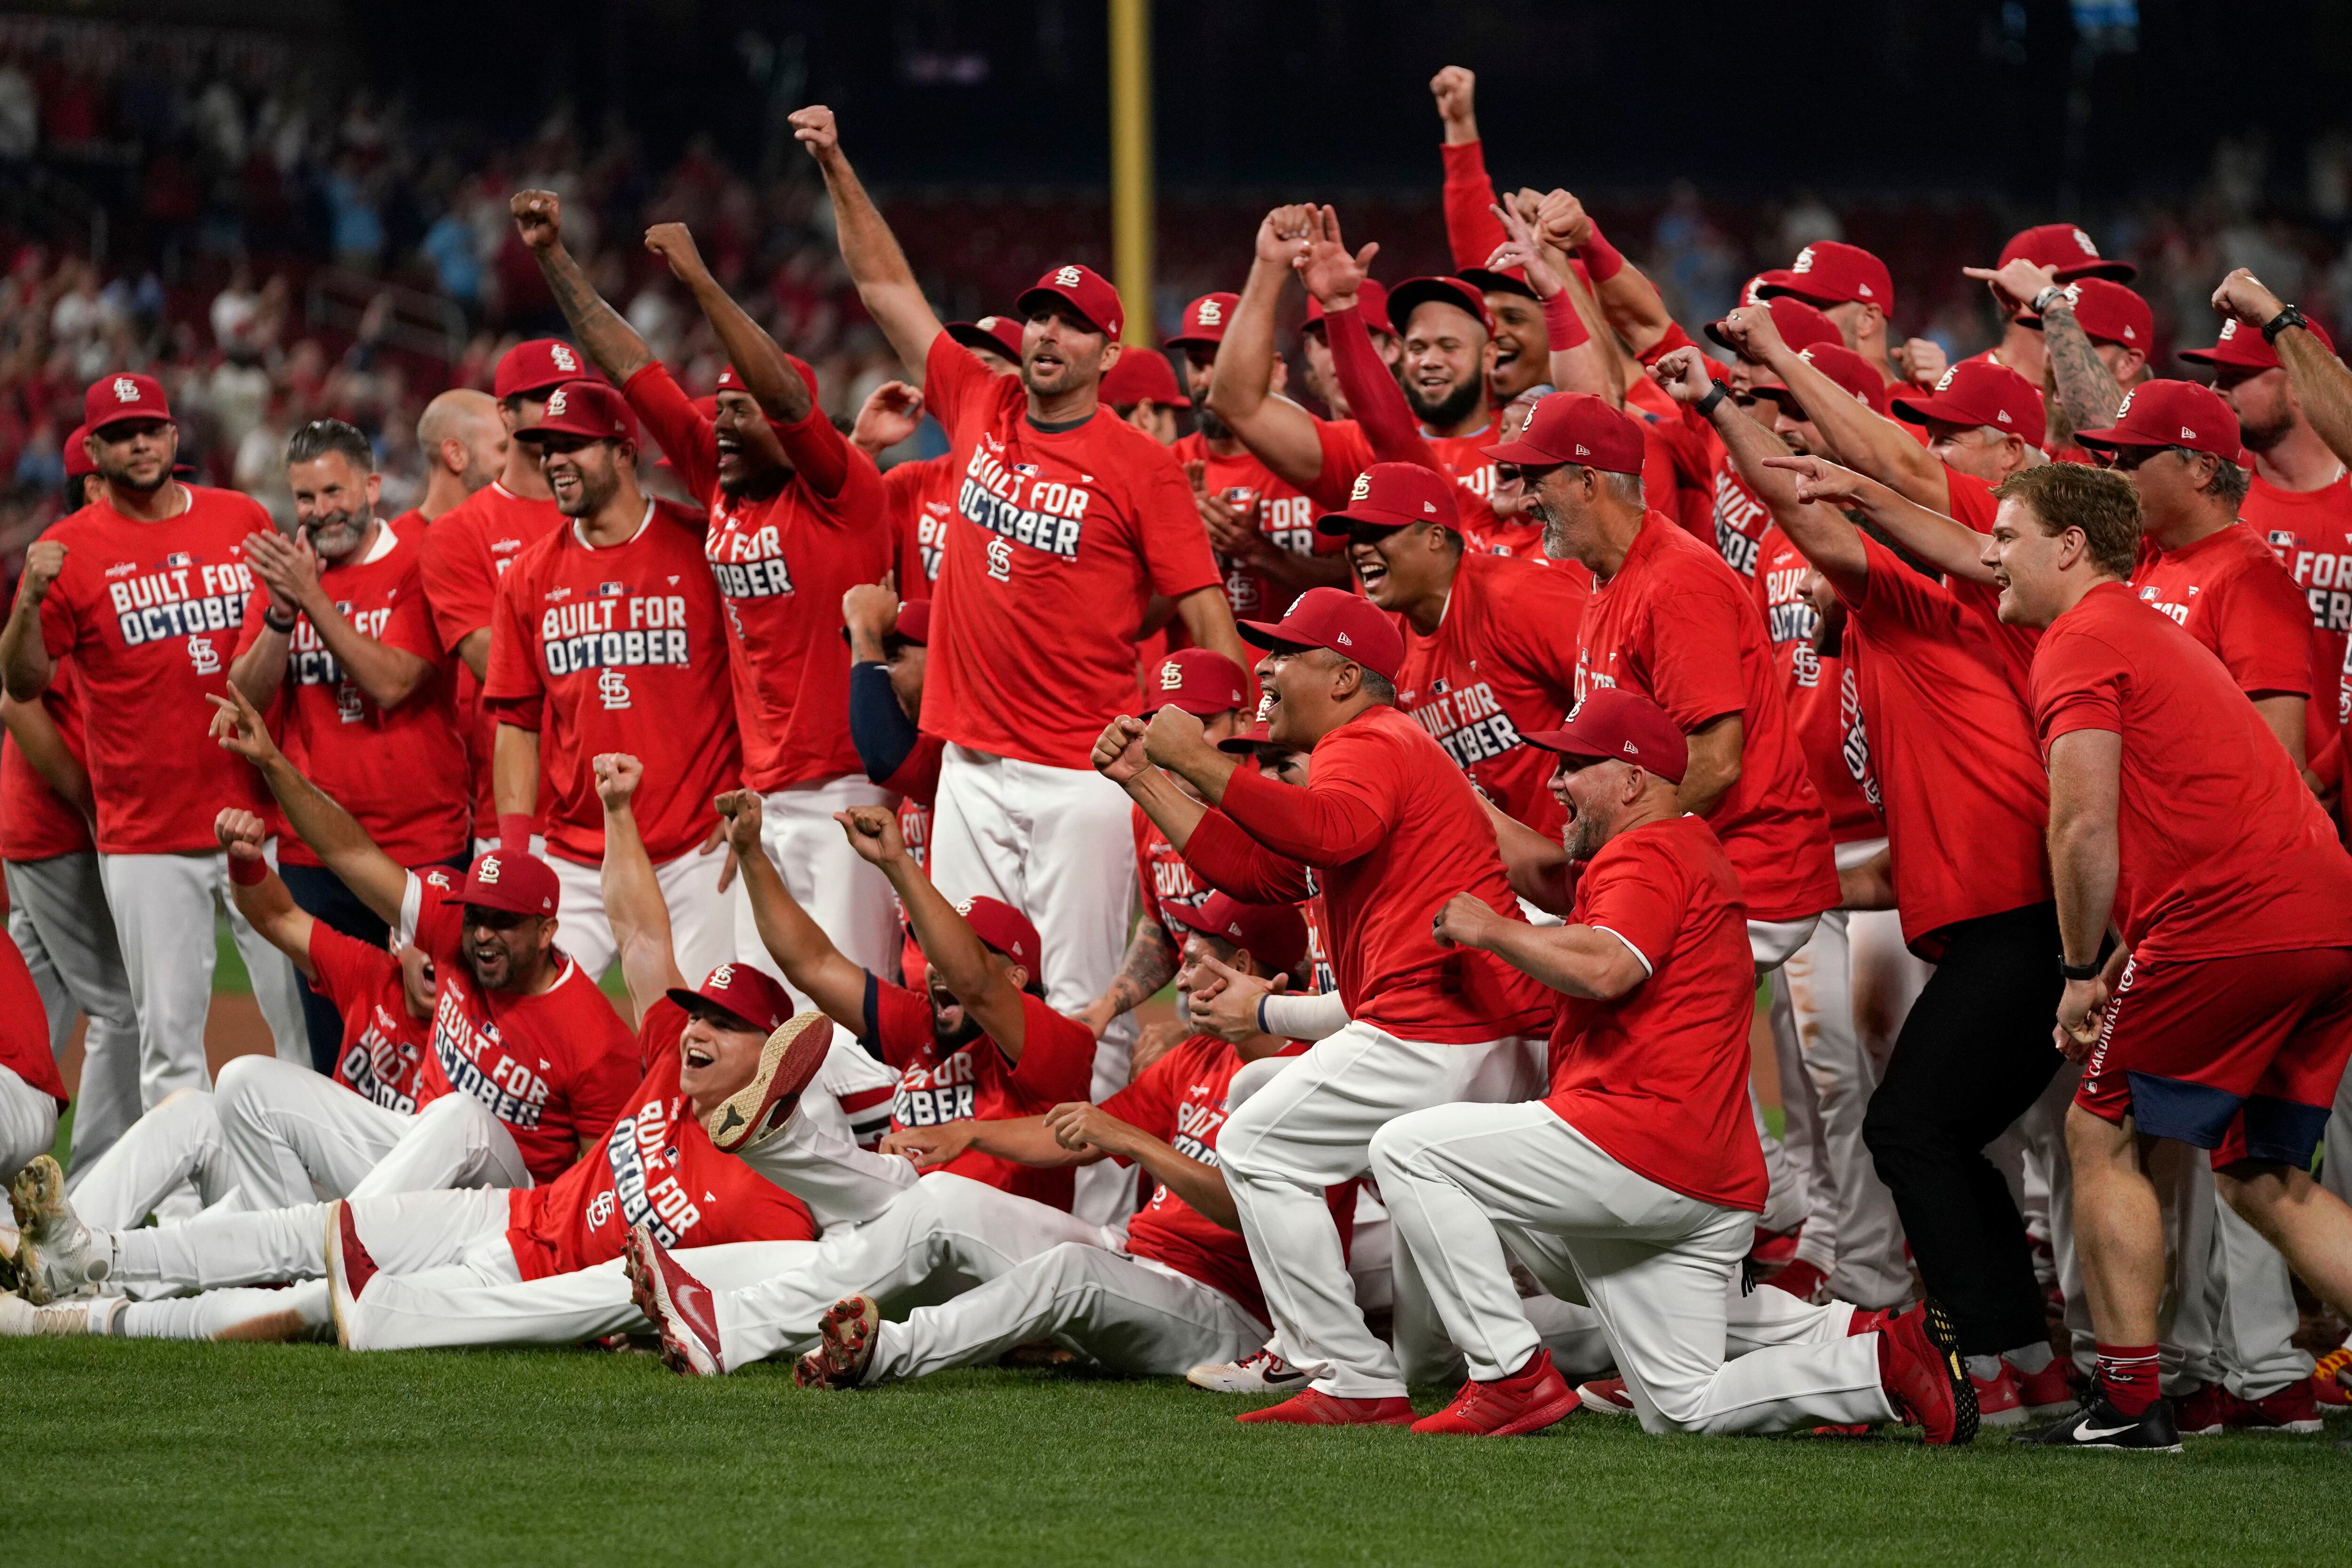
<point x="204" y="656"/>
<point x="1000" y="558"/>
<point x="613" y="690"/>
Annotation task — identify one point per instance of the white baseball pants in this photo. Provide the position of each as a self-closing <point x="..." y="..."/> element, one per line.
<point x="1310" y="1126"/>
<point x="1058" y="844"/>
<point x="28" y="1123"/>
<point x="1129" y="1314"/>
<point x="57" y="913"/>
<point x="849" y="899"/>
<point x="2229" y="1302"/>
<point x="841" y="1183"/>
<point x="702" y="918"/>
<point x="405" y="1232"/>
<point x="177" y="1143"/>
<point x="942" y="1235"/>
<point x="1655" y="1264"/>
<point x="162" y="906"/>
<point x="1771" y="943"/>
<point x="294" y="1137"/>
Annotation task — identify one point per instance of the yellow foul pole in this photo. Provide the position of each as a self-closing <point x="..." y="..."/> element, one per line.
<point x="1130" y="163"/>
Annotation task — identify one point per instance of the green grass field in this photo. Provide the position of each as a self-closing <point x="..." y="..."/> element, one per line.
<point x="142" y="1452"/>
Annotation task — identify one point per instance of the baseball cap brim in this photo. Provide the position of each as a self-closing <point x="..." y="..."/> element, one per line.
<point x="1780" y="280"/>
<point x="1033" y="299"/>
<point x="981" y="340"/>
<point x="2116" y="436"/>
<point x="1563" y="741"/>
<point x="691" y="999"/>
<point x="1487" y="281"/>
<point x="2106" y="266"/>
<point x="1523" y="453"/>
<point x="1919" y="410"/>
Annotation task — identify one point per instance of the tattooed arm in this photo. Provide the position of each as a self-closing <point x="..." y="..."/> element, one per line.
<point x="1149" y="965"/>
<point x="2086" y="387"/>
<point x="610" y="340"/>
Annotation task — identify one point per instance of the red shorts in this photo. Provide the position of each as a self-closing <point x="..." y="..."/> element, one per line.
<point x="2188" y="1044"/>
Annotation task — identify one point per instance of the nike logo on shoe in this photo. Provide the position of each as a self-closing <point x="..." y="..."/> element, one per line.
<point x="2093" y="1434"/>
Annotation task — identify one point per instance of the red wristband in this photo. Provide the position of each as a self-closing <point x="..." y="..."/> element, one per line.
<point x="1601" y="259"/>
<point x="1563" y="327"/>
<point x="514" y="830"/>
<point x="244" y="873"/>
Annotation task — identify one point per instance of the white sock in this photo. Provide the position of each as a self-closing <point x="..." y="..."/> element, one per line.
<point x="2028" y="1359"/>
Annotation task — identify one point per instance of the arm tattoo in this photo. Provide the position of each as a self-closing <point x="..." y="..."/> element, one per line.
<point x="610" y="340"/>
<point x="2086" y="387"/>
<point x="1151" y="965"/>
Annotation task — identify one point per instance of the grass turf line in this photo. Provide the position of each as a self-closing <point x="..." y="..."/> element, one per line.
<point x="235" y="1454"/>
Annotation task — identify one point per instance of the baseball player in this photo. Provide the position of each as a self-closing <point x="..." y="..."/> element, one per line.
<point x="1384" y="811"/>
<point x="31" y="1093"/>
<point x="1141" y="389"/>
<point x="338" y="649"/>
<point x="918" y="497"/>
<point x="1635" y="1186"/>
<point x="470" y="547"/>
<point x="608" y="638"/>
<point x="796" y="519"/>
<point x="144" y="593"/>
<point x="465" y="445"/>
<point x="888" y="642"/>
<point x="1211" y="688"/>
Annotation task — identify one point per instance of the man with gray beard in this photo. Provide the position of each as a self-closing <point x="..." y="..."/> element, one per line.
<point x="338" y="650"/>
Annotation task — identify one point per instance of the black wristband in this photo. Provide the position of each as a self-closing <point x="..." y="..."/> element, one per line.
<point x="2290" y="316"/>
<point x="2079" y="971"/>
<point x="269" y="619"/>
<point x="1706" y="407"/>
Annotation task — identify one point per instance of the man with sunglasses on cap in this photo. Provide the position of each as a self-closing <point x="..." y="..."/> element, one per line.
<point x="472" y="545"/>
<point x="1212" y="689"/>
<point x="1385" y="821"/>
<point x="143" y="592"/>
<point x="794" y="519"/>
<point x="1069" y="524"/>
<point x="1263" y="526"/>
<point x="1634" y="1186"/>
<point x="609" y="637"/>
<point x="2070" y="255"/>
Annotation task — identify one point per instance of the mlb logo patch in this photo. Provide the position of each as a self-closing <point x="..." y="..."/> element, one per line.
<point x="179" y="558"/>
<point x="611" y="590"/>
<point x="1028" y="468"/>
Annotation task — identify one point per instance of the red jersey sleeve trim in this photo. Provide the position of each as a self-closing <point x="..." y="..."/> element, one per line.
<point x="1237" y="866"/>
<point x="1319" y="825"/>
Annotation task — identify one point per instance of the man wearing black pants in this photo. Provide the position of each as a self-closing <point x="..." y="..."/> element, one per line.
<point x="1946" y="746"/>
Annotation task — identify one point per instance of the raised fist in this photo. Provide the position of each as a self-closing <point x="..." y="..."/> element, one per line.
<point x="539" y="217"/>
<point x="43" y="561"/>
<point x="814" y="128"/>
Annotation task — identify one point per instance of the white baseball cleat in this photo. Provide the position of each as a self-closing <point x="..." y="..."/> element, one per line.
<point x="1260" y="1371"/>
<point x="57" y="1255"/>
<point x="1606" y="1395"/>
<point x="20" y="1319"/>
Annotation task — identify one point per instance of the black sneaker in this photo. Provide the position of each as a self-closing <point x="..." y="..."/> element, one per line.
<point x="2099" y="1424"/>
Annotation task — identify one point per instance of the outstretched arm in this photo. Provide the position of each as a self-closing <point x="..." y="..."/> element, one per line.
<point x="2086" y="766"/>
<point x="2086" y="387"/>
<point x="26" y="668"/>
<point x="885" y="282"/>
<point x="260" y="896"/>
<point x="1576" y="960"/>
<point x="1277" y="431"/>
<point x="811" y="964"/>
<point x="632" y="899"/>
<point x="609" y="339"/>
<point x="1865" y="440"/>
<point x="949" y="945"/>
<point x="2322" y="383"/>
<point x="379" y="881"/>
<point x="1577" y="364"/>
<point x="1629" y="301"/>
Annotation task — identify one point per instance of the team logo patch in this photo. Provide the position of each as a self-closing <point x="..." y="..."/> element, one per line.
<point x="125" y="390"/>
<point x="614" y="590"/>
<point x="1067" y="278"/>
<point x="563" y="357"/>
<point x="488" y="872"/>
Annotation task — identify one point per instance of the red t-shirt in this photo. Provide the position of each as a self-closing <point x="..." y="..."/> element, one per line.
<point x="149" y="613"/>
<point x="1059" y="540"/>
<point x="2230" y="593"/>
<point x="1346" y="452"/>
<point x="1286" y="518"/>
<point x="975" y="1081"/>
<point x="467" y="551"/>
<point x="657" y="1169"/>
<point x="620" y="648"/>
<point x="35" y="822"/>
<point x="1967" y="799"/>
<point x="384" y="1051"/>
<point x="1171" y="895"/>
<point x="1659" y="1078"/>
<point x="1741" y="521"/>
<point x="402" y="773"/>
<point x="1830" y="737"/>
<point x="2223" y="850"/>
<point x="1501" y="663"/>
<point x="1679" y="626"/>
<point x="554" y="1066"/>
<point x="1392" y="831"/>
<point x="782" y="564"/>
<point x="916" y="499"/>
<point x="2311" y="531"/>
<point x="25" y="1026"/>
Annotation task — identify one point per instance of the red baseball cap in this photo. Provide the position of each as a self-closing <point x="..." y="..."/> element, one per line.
<point x="1800" y="325"/>
<point x="1274" y="934"/>
<point x="1204" y="321"/>
<point x="514" y="880"/>
<point x="534" y="366"/>
<point x="1415" y="292"/>
<point x="2067" y="249"/>
<point x="1258" y="734"/>
<point x="1613" y="721"/>
<point x="1853" y="373"/>
<point x="1141" y="375"/>
<point x="1980" y="391"/>
<point x="1830" y="273"/>
<point x="1371" y="302"/>
<point x="77" y="455"/>
<point x="914" y="623"/>
<point x="990" y="334"/>
<point x="1346" y="624"/>
<point x="1488" y="280"/>
<point x="755" y="998"/>
<point x="1575" y="427"/>
<point x="1083" y="289"/>
<point x="587" y="408"/>
<point x="730" y="382"/>
<point x="2242" y="347"/>
<point x="1202" y="682"/>
<point x="1003" y="929"/>
<point x="2171" y="414"/>
<point x="2107" y="313"/>
<point x="125" y="395"/>
<point x="1394" y="495"/>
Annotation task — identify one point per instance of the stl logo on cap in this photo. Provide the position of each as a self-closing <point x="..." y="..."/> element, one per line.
<point x="722" y="977"/>
<point x="1804" y="262"/>
<point x="1210" y="314"/>
<point x="563" y="357"/>
<point x="988" y="323"/>
<point x="489" y="873"/>
<point x="2229" y="329"/>
<point x="1171" y="676"/>
<point x="2084" y="240"/>
<point x="1067" y="277"/>
<point x="555" y="401"/>
<point x="2125" y="406"/>
<point x="1361" y="487"/>
<point x="963" y="907"/>
<point x="1945" y="380"/>
<point x="125" y="390"/>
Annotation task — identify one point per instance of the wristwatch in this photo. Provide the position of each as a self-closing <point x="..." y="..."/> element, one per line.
<point x="1704" y="407"/>
<point x="2288" y="316"/>
<point x="2047" y="298"/>
<point x="2079" y="971"/>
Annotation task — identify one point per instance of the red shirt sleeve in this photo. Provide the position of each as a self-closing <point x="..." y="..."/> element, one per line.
<point x="1346" y="454"/>
<point x="952" y="374"/>
<point x="349" y="970"/>
<point x="60" y="627"/>
<point x="1472" y="232"/>
<point x="1641" y="898"/>
<point x="2078" y="684"/>
<point x="1057" y="1056"/>
<point x="2265" y="632"/>
<point x="679" y="427"/>
<point x="818" y="452"/>
<point x="1239" y="867"/>
<point x="1970" y="500"/>
<point x="1675" y="338"/>
<point x="1695" y="662"/>
<point x="1534" y="624"/>
<point x="1381" y="410"/>
<point x="897" y="1023"/>
<point x="1330" y="822"/>
<point x="410" y="626"/>
<point x="1145" y="892"/>
<point x="248" y="634"/>
<point x="512" y="686"/>
<point x="658" y="1034"/>
<point x="458" y="582"/>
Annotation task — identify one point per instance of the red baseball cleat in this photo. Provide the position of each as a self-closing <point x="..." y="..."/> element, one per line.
<point x="845" y="1345"/>
<point x="676" y="1303"/>
<point x="2213" y="1410"/>
<point x="2046" y="1394"/>
<point x="789" y="1062"/>
<point x="1802" y="1278"/>
<point x="1316" y="1408"/>
<point x="1607" y="1396"/>
<point x="1998" y="1404"/>
<point x="1534" y="1397"/>
<point x="349" y="1269"/>
<point x="1924" y="1379"/>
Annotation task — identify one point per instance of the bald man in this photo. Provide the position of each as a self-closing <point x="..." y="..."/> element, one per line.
<point x="465" y="445"/>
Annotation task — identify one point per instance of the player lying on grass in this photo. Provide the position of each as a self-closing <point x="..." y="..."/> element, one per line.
<point x="487" y="1266"/>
